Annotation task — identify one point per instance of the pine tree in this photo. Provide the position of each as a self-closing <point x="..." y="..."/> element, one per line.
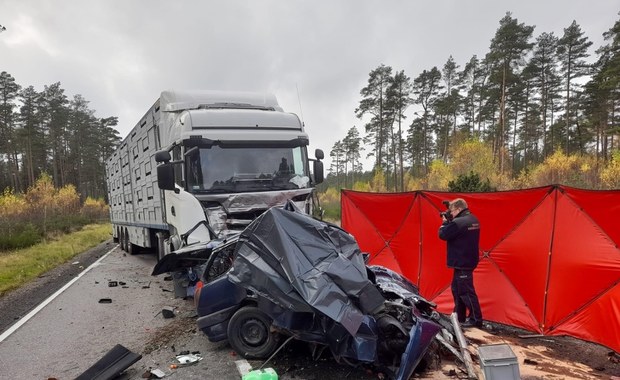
<point x="507" y="51"/>
<point x="374" y="103"/>
<point x="426" y="89"/>
<point x="572" y="51"/>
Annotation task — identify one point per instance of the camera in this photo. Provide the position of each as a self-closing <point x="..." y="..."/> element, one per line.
<point x="446" y="214"/>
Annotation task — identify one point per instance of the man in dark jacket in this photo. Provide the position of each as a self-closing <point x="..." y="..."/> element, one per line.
<point x="461" y="230"/>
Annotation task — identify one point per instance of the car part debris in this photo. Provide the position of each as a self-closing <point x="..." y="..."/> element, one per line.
<point x="188" y="359"/>
<point x="112" y="364"/>
<point x="168" y="312"/>
<point x="105" y="300"/>
<point x="460" y="338"/>
<point x="112" y="284"/>
<point x="154" y="373"/>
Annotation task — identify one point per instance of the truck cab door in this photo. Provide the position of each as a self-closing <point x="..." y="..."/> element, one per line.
<point x="184" y="212"/>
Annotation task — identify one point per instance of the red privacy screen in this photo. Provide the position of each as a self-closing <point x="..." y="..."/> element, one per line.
<point x="550" y="261"/>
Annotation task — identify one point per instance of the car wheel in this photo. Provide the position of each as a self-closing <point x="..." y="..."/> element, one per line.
<point x="249" y="333"/>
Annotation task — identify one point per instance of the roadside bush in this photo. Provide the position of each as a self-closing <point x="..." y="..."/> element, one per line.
<point x="330" y="202"/>
<point x="44" y="211"/>
<point x="95" y="209"/>
<point x="20" y="236"/>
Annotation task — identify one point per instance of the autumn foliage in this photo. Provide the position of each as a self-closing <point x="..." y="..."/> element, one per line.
<point x="42" y="211"/>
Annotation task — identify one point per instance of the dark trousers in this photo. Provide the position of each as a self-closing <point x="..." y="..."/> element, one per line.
<point x="465" y="298"/>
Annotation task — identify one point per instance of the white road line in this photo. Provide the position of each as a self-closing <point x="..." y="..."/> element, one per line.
<point x="37" y="309"/>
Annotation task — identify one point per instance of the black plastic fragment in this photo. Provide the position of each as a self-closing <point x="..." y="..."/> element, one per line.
<point x="112" y="364"/>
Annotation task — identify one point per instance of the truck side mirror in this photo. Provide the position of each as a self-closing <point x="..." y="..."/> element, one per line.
<point x="318" y="153"/>
<point x="165" y="176"/>
<point x="317" y="169"/>
<point x="162" y="156"/>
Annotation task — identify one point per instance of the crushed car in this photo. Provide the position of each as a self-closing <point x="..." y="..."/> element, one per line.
<point x="290" y="276"/>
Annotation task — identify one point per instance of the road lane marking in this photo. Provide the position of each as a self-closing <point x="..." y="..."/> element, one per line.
<point x="49" y="299"/>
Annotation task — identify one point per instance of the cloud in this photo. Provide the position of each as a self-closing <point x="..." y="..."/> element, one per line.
<point x="314" y="55"/>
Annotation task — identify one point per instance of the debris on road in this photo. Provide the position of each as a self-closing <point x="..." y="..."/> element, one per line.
<point x="154" y="374"/>
<point x="187" y="359"/>
<point x="168" y="312"/>
<point x="105" y="300"/>
<point x="112" y="364"/>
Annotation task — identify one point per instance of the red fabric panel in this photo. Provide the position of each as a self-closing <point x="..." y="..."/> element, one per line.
<point x="406" y="245"/>
<point x="510" y="308"/>
<point x="584" y="262"/>
<point x="435" y="275"/>
<point x="386" y="211"/>
<point x="602" y="206"/>
<point x="523" y="256"/>
<point x="498" y="212"/>
<point x="597" y="322"/>
<point x="550" y="257"/>
<point x="354" y="221"/>
<point x="386" y="258"/>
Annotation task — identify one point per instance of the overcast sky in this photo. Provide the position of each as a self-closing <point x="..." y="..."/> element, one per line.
<point x="314" y="55"/>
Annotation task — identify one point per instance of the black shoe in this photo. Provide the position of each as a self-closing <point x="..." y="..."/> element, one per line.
<point x="470" y="323"/>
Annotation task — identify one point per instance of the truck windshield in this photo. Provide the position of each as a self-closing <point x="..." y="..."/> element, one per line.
<point x="236" y="170"/>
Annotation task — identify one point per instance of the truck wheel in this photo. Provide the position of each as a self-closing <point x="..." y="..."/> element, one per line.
<point x="121" y="240"/>
<point x="125" y="241"/>
<point x="249" y="333"/>
<point x="132" y="249"/>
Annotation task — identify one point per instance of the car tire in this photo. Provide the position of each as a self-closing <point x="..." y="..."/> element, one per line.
<point x="250" y="335"/>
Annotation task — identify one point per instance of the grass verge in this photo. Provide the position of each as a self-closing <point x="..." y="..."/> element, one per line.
<point x="21" y="266"/>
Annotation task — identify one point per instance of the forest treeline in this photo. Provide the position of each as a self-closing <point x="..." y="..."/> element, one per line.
<point x="47" y="132"/>
<point x="534" y="110"/>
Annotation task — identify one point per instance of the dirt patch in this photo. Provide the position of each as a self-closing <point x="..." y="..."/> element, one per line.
<point x="543" y="357"/>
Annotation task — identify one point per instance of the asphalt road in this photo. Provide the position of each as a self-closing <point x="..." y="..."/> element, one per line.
<point x="70" y="332"/>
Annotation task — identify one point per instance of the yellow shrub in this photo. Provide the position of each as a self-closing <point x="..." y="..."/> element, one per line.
<point x="66" y="200"/>
<point x="559" y="168"/>
<point x="331" y="195"/>
<point x="411" y="183"/>
<point x="610" y="175"/>
<point x="439" y="176"/>
<point x="95" y="209"/>
<point x="12" y="206"/>
<point x="377" y="183"/>
<point x="361" y="186"/>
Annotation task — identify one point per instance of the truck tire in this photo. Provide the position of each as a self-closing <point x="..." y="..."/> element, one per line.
<point x="132" y="249"/>
<point x="249" y="333"/>
<point x="124" y="240"/>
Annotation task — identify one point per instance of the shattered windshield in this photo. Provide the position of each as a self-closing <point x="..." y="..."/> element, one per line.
<point x="233" y="170"/>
